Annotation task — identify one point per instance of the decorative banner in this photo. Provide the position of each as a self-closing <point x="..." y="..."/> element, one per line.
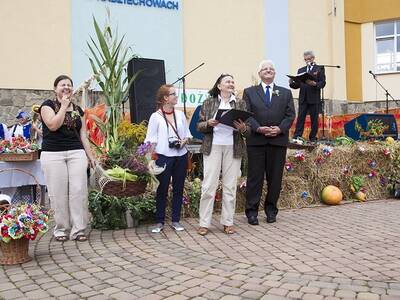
<point x="194" y="97"/>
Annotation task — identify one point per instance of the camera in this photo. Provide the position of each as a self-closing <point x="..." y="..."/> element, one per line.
<point x="174" y="144"/>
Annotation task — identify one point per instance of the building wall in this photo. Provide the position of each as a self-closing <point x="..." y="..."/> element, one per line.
<point x="353" y="61"/>
<point x="228" y="36"/>
<point x="360" y="16"/>
<point x="313" y="25"/>
<point x="36" y="42"/>
<point x="150" y="32"/>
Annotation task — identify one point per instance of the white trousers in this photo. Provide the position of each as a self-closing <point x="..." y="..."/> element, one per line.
<point x="66" y="179"/>
<point x="220" y="160"/>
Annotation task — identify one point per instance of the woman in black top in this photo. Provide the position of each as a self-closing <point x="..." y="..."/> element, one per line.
<point x="65" y="156"/>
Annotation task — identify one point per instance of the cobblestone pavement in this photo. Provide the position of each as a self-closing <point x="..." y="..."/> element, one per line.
<point x="348" y="251"/>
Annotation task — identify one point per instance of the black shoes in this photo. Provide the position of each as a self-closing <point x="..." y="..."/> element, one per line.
<point x="271" y="219"/>
<point x="253" y="220"/>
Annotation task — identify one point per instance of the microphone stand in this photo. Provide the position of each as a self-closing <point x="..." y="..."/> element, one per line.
<point x="322" y="101"/>
<point x="183" y="78"/>
<point x="386" y="91"/>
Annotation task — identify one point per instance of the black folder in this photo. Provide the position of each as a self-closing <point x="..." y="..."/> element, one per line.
<point x="219" y="114"/>
<point x="302" y="77"/>
<point x="227" y="117"/>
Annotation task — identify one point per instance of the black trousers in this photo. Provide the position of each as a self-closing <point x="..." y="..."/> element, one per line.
<point x="312" y="110"/>
<point x="269" y="161"/>
<point x="176" y="167"/>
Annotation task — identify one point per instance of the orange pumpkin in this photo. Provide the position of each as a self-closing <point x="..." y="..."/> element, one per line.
<point x="331" y="195"/>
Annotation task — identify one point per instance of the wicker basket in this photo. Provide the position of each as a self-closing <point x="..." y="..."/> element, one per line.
<point x="38" y="189"/>
<point x="15" y="252"/>
<point x="31" y="156"/>
<point x="132" y="188"/>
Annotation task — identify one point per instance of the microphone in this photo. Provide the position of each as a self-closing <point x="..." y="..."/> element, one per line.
<point x="370" y="72"/>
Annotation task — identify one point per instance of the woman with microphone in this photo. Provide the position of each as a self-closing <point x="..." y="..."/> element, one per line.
<point x="223" y="147"/>
<point x="64" y="158"/>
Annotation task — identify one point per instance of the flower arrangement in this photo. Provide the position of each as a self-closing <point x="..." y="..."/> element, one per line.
<point x="129" y="163"/>
<point x="132" y="134"/>
<point x="300" y="155"/>
<point x="17" y="145"/>
<point x="23" y="221"/>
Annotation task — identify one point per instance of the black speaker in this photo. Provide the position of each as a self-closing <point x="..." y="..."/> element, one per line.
<point x="142" y="93"/>
<point x="387" y="120"/>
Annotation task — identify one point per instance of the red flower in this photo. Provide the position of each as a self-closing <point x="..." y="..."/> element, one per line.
<point x="4" y="231"/>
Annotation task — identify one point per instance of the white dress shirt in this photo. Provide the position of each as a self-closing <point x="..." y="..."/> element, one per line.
<point x="158" y="133"/>
<point x="223" y="134"/>
<point x="271" y="88"/>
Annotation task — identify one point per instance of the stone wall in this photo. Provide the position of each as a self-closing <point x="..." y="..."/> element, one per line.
<point x="14" y="100"/>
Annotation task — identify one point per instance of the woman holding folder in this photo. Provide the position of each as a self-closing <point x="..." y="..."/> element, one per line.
<point x="223" y="147"/>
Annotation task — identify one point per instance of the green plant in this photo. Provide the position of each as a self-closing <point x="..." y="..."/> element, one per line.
<point x="109" y="58"/>
<point x="357" y="182"/>
<point x="143" y="207"/>
<point x="109" y="212"/>
<point x="343" y="140"/>
<point x="193" y="196"/>
<point x="393" y="179"/>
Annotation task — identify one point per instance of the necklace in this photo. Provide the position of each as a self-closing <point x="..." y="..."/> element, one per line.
<point x="167" y="113"/>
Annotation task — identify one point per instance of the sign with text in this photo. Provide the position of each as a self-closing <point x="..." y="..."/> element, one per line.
<point x="174" y="5"/>
<point x="194" y="97"/>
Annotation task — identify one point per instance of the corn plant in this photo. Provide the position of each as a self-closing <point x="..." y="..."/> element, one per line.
<point x="108" y="58"/>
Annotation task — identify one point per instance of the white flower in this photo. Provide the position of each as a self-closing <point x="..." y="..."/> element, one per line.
<point x="275" y="92"/>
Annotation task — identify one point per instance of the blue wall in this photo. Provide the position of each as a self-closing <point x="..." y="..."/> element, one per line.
<point x="151" y="32"/>
<point x="276" y="22"/>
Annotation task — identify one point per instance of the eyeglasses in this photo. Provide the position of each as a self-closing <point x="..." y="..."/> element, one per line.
<point x="172" y="94"/>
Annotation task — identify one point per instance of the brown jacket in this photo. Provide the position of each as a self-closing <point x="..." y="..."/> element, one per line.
<point x="207" y="112"/>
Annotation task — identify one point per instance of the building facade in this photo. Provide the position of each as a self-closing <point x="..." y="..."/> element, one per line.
<point x="45" y="38"/>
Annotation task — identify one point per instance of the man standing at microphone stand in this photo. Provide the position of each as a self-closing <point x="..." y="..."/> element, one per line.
<point x="309" y="96"/>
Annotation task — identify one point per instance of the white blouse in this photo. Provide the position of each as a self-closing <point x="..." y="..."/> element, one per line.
<point x="158" y="133"/>
<point x="223" y="134"/>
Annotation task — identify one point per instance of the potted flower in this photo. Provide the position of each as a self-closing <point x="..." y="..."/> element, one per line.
<point x="18" y="225"/>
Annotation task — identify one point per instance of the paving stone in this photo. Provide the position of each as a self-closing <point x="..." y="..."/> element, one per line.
<point x="58" y="291"/>
<point x="194" y="292"/>
<point x="273" y="297"/>
<point x="345" y="294"/>
<point x="294" y="295"/>
<point x="290" y="286"/>
<point x="11" y="294"/>
<point x="312" y="297"/>
<point x="252" y="295"/>
<point x="294" y="258"/>
<point x="177" y="297"/>
<point x="278" y="291"/>
<point x="230" y="297"/>
<point x="69" y="297"/>
<point x="6" y="286"/>
<point x="310" y="289"/>
<point x="367" y="296"/>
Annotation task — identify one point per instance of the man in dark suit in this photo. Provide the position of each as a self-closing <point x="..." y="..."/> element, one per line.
<point x="309" y="96"/>
<point x="274" y="113"/>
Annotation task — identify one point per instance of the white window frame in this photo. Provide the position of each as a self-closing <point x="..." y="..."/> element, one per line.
<point x="395" y="36"/>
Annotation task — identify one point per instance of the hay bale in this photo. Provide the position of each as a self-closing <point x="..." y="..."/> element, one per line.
<point x="292" y="195"/>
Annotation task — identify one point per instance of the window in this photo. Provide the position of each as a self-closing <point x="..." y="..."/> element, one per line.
<point x="387" y="36"/>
